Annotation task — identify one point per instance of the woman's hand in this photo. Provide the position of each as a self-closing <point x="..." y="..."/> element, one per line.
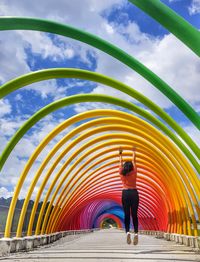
<point x="120" y="156"/>
<point x="120" y="150"/>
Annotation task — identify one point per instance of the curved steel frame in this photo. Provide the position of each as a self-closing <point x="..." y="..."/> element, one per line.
<point x="160" y="162"/>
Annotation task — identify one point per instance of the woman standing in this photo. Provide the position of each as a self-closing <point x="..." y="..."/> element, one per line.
<point x="130" y="197"/>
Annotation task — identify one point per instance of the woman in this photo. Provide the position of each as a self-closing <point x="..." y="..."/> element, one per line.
<point x="130" y="197"/>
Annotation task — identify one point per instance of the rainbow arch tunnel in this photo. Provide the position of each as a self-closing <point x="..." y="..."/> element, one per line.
<point x="85" y="187"/>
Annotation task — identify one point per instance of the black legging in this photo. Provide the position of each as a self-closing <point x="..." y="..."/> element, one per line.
<point x="130" y="201"/>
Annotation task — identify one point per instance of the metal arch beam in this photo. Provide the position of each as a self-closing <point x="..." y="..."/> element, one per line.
<point x="94" y="176"/>
<point x="19" y="23"/>
<point x="52" y="197"/>
<point x="64" y="140"/>
<point x="161" y="227"/>
<point x="85" y="181"/>
<point x="93" y="206"/>
<point x="113" y="196"/>
<point x="81" y="138"/>
<point x="66" y="227"/>
<point x="64" y="178"/>
<point x="148" y="129"/>
<point x="93" y="209"/>
<point x="146" y="163"/>
<point x="75" y="132"/>
<point x="96" y="121"/>
<point x="152" y="193"/>
<point x="40" y="194"/>
<point x="92" y="196"/>
<point x="141" y="213"/>
<point x="84" y="185"/>
<point x="143" y="208"/>
<point x="69" y="185"/>
<point x="98" y="208"/>
<point x="142" y="203"/>
<point x="87" y="75"/>
<point x="178" y="26"/>
<point x="78" y="130"/>
<point x="126" y="115"/>
<point x="101" y="210"/>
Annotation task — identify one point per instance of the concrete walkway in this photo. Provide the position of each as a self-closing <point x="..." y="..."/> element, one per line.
<point x="107" y="245"/>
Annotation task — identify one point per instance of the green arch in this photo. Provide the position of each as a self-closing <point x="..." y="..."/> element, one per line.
<point x="178" y="26"/>
<point x="92" y="76"/>
<point x="19" y="23"/>
<point x="78" y="99"/>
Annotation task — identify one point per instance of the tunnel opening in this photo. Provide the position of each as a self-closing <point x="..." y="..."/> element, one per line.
<point x="109" y="223"/>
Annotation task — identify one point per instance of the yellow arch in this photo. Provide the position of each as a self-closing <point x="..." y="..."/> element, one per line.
<point x="187" y="166"/>
<point x="147" y="163"/>
<point x="39" y="220"/>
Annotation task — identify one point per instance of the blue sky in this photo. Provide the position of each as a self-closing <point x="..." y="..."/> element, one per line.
<point x="118" y="22"/>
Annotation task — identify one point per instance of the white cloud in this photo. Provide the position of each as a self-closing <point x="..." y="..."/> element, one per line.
<point x="193" y="132"/>
<point x="13" y="46"/>
<point x="18" y="97"/>
<point x="101" y="89"/>
<point x="8" y="125"/>
<point x="83" y="107"/>
<point x="12" y="56"/>
<point x="5" y="107"/>
<point x="41" y="44"/>
<point x="177" y="65"/>
<point x="14" y="43"/>
<point x="69" y="53"/>
<point x="49" y="88"/>
<point x="109" y="29"/>
<point x="5" y="193"/>
<point x="194" y="8"/>
<point x="169" y="59"/>
<point x="24" y="149"/>
<point x="62" y="10"/>
<point x="80" y="50"/>
<point x="133" y="34"/>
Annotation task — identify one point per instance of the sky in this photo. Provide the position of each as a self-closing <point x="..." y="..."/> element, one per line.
<point x="116" y="21"/>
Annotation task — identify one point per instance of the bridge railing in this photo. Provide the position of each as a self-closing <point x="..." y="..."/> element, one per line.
<point x="27" y="243"/>
<point x="178" y="238"/>
<point x="11" y="245"/>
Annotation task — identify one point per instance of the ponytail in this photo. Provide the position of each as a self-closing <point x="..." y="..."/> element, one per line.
<point x="127" y="167"/>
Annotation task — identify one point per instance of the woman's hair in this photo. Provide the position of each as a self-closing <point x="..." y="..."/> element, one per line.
<point x="127" y="167"/>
